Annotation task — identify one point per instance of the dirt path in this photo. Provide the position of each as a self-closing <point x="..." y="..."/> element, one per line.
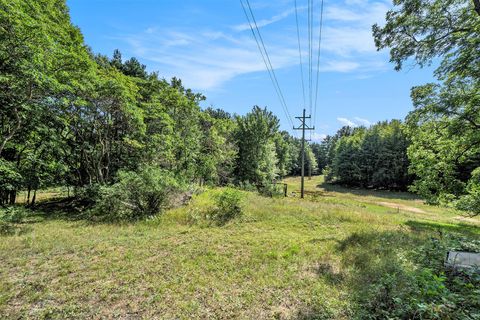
<point x="400" y="207"/>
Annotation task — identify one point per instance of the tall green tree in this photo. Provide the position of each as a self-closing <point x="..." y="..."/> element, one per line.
<point x="257" y="160"/>
<point x="43" y="64"/>
<point x="444" y="126"/>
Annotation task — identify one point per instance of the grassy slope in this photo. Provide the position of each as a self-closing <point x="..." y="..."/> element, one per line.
<point x="286" y="259"/>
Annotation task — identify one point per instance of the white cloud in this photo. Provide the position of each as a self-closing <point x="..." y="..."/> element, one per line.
<point x="363" y="122"/>
<point x="346" y="122"/>
<point x="205" y="59"/>
<point x="340" y="66"/>
<point x="355" y="122"/>
<point x="318" y="137"/>
<point x="265" y="22"/>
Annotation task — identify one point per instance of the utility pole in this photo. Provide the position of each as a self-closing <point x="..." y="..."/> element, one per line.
<point x="303" y="127"/>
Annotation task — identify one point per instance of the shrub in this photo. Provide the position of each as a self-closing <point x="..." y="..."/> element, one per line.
<point x="471" y="201"/>
<point x="271" y="190"/>
<point x="247" y="186"/>
<point x="6" y="228"/>
<point x="89" y="193"/>
<point x="13" y="214"/>
<point x="9" y="217"/>
<point x="421" y="288"/>
<point x="137" y="195"/>
<point x="328" y="173"/>
<point x="228" y="205"/>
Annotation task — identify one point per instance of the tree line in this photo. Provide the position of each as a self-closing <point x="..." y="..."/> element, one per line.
<point x="74" y="118"/>
<point x="374" y="157"/>
<point x="436" y="151"/>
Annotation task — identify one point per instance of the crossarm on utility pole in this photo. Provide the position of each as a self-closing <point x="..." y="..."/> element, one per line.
<point x="303" y="126"/>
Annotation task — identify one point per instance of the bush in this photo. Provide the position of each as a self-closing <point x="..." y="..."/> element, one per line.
<point x="422" y="289"/>
<point x="227" y="206"/>
<point x="13" y="214"/>
<point x="89" y="193"/>
<point x="137" y="195"/>
<point x="328" y="174"/>
<point x="471" y="201"/>
<point x="247" y="186"/>
<point x="10" y="217"/>
<point x="271" y="190"/>
<point x="6" y="228"/>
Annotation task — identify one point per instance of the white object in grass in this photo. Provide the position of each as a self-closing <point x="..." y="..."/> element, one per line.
<point x="462" y="260"/>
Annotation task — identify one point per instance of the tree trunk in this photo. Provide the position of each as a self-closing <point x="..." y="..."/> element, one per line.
<point x="28" y="195"/>
<point x="12" y="132"/>
<point x="32" y="204"/>
<point x="13" y="197"/>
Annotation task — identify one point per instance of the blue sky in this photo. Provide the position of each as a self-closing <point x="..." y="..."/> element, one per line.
<point x="208" y="44"/>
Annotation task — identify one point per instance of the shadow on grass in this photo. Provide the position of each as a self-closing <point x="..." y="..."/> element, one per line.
<point x="393" y="195"/>
<point x="442" y="228"/>
<point x="379" y="269"/>
<point x="68" y="209"/>
<point x="12" y="229"/>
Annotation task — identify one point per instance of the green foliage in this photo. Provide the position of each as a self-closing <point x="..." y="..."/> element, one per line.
<point x="89" y="193"/>
<point x="424" y="30"/>
<point x="471" y="200"/>
<point x="444" y="127"/>
<point x="257" y="159"/>
<point x="445" y="145"/>
<point x="10" y="217"/>
<point x="10" y="180"/>
<point x="320" y="151"/>
<point x="13" y="214"/>
<point x="418" y="288"/>
<point x="375" y="157"/>
<point x="272" y="190"/>
<point x="227" y="205"/>
<point x="137" y="195"/>
<point x="71" y="117"/>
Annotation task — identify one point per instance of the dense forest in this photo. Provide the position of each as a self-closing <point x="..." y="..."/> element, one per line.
<point x="70" y="117"/>
<point x="436" y="151"/>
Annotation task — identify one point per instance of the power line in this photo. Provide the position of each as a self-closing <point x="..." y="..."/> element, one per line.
<point x="266" y="57"/>
<point x="310" y="39"/>
<point x="318" y="61"/>
<point x="310" y="56"/>
<point x="300" y="54"/>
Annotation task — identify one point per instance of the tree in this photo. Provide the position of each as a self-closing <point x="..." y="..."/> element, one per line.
<point x="444" y="125"/>
<point x="374" y="157"/>
<point x="320" y="150"/>
<point x="257" y="161"/>
<point x="424" y="30"/>
<point x="43" y="64"/>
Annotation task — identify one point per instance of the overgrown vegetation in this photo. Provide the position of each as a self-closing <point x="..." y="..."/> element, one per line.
<point x="91" y="117"/>
<point x="374" y="157"/>
<point x="137" y="195"/>
<point x="227" y="205"/>
<point x="414" y="283"/>
<point x="132" y="146"/>
<point x="332" y="256"/>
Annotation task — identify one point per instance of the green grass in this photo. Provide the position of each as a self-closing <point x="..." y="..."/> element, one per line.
<point x="285" y="258"/>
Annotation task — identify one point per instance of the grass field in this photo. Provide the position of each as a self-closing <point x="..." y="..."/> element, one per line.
<point x="286" y="258"/>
